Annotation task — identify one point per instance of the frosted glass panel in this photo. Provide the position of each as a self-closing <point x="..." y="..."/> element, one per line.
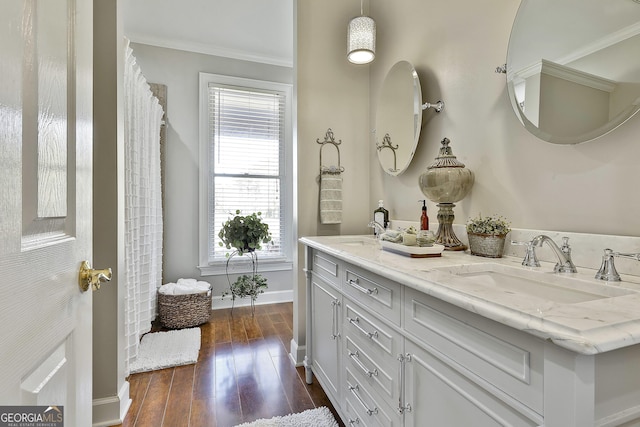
<point x="51" y="64"/>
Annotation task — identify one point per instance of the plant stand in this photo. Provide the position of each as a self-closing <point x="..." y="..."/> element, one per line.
<point x="247" y="285"/>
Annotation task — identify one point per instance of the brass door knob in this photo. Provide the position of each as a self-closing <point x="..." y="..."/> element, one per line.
<point x="89" y="276"/>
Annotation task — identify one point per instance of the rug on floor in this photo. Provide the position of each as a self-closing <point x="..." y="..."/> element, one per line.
<point x="161" y="350"/>
<point x="318" y="417"/>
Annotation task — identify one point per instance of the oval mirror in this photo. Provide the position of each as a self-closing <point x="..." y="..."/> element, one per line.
<point x="573" y="67"/>
<point x="398" y="118"/>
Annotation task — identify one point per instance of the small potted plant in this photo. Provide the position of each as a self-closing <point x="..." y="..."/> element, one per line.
<point x="245" y="235"/>
<point x="487" y="235"/>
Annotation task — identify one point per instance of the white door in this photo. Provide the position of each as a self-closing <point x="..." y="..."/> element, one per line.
<point x="45" y="204"/>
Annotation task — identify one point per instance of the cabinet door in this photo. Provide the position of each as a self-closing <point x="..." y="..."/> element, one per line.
<point x="325" y="334"/>
<point x="440" y="396"/>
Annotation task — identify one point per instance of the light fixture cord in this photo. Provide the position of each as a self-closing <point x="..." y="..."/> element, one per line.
<point x="361" y="9"/>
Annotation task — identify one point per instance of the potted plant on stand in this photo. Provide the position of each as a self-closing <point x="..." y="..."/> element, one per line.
<point x="487" y="235"/>
<point x="245" y="235"/>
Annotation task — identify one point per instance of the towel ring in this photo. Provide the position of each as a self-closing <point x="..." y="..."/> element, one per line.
<point x="329" y="139"/>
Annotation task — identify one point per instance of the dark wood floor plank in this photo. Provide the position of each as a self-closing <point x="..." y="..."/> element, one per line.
<point x="203" y="412"/>
<point x="252" y="328"/>
<point x="208" y="334"/>
<point x="227" y="397"/>
<point x="180" y="395"/>
<point x="138" y="386"/>
<point x="155" y="401"/>
<point x="297" y="394"/>
<point x="220" y="324"/>
<point x="205" y="376"/>
<point x="238" y="333"/>
<point x="243" y="373"/>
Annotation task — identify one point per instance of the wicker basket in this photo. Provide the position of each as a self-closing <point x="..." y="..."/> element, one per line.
<point x="184" y="311"/>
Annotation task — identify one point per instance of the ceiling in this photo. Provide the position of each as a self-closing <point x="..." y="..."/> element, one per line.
<point x="254" y="30"/>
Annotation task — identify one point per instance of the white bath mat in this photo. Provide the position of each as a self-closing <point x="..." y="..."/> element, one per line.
<point x="161" y="350"/>
<point x="318" y="417"/>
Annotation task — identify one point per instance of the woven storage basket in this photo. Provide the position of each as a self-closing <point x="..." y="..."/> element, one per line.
<point x="487" y="245"/>
<point x="184" y="311"/>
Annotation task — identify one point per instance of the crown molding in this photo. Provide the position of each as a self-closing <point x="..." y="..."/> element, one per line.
<point x="600" y="44"/>
<point x="208" y="49"/>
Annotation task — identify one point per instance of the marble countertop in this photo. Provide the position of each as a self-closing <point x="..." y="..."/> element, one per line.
<point x="588" y="327"/>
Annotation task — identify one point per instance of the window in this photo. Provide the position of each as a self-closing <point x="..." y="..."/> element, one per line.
<point x="245" y="159"/>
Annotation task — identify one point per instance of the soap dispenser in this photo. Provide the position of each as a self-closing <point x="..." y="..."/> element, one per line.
<point x="424" y="219"/>
<point x="381" y="215"/>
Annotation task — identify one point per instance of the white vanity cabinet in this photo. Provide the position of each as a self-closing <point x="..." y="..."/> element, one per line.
<point x="325" y="315"/>
<point x="461" y="369"/>
<point x="385" y="356"/>
<point x="389" y="354"/>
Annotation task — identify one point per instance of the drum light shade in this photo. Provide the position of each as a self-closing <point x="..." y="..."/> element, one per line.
<point x="361" y="40"/>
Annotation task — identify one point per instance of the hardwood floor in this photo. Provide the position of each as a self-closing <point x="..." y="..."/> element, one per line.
<point x="243" y="373"/>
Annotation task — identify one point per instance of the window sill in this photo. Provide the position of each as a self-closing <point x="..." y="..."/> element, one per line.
<point x="218" y="268"/>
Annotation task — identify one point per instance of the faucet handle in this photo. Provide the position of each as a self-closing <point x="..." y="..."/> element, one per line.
<point x="530" y="258"/>
<point x="608" y="270"/>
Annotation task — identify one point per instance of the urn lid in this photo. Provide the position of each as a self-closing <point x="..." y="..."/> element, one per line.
<point x="445" y="158"/>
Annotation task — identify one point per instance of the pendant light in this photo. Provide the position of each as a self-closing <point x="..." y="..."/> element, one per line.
<point x="361" y="39"/>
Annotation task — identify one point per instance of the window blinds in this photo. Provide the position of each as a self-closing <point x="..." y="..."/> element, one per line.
<point x="246" y="137"/>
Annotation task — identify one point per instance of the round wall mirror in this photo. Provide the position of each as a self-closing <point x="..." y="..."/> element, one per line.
<point x="398" y="118"/>
<point x="573" y="67"/>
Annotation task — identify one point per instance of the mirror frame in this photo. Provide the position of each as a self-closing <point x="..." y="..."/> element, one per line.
<point x="404" y="70"/>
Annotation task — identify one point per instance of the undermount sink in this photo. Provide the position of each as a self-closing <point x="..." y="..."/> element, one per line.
<point x="354" y="240"/>
<point x="532" y="284"/>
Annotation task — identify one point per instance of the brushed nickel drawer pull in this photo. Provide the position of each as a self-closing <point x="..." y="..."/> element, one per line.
<point x="335" y="333"/>
<point x="356" y="322"/>
<point x="352" y="422"/>
<point x="355" y="284"/>
<point x="403" y="407"/>
<point x="353" y="390"/>
<point x="356" y="358"/>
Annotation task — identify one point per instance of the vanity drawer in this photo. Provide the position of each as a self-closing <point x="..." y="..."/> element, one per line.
<point x="361" y="404"/>
<point x="327" y="267"/>
<point x="370" y="333"/>
<point x="378" y="294"/>
<point x="488" y="353"/>
<point x="379" y="377"/>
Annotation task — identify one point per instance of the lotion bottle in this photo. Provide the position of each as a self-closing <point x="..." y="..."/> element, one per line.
<point x="424" y="219"/>
<point x="381" y="215"/>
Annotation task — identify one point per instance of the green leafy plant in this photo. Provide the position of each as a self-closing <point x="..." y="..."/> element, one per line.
<point x="247" y="286"/>
<point x="494" y="225"/>
<point x="245" y="234"/>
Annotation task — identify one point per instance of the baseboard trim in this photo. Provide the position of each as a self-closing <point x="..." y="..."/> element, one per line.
<point x="267" y="298"/>
<point x="297" y="353"/>
<point x="109" y="411"/>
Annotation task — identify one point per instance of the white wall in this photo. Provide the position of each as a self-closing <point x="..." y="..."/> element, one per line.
<point x="455" y="47"/>
<point x="331" y="93"/>
<point x="179" y="71"/>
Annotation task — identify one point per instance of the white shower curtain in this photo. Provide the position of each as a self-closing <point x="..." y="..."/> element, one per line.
<point x="143" y="205"/>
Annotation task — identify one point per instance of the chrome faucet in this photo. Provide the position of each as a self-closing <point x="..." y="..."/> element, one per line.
<point x="564" y="265"/>
<point x="607" y="270"/>
<point x="378" y="228"/>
